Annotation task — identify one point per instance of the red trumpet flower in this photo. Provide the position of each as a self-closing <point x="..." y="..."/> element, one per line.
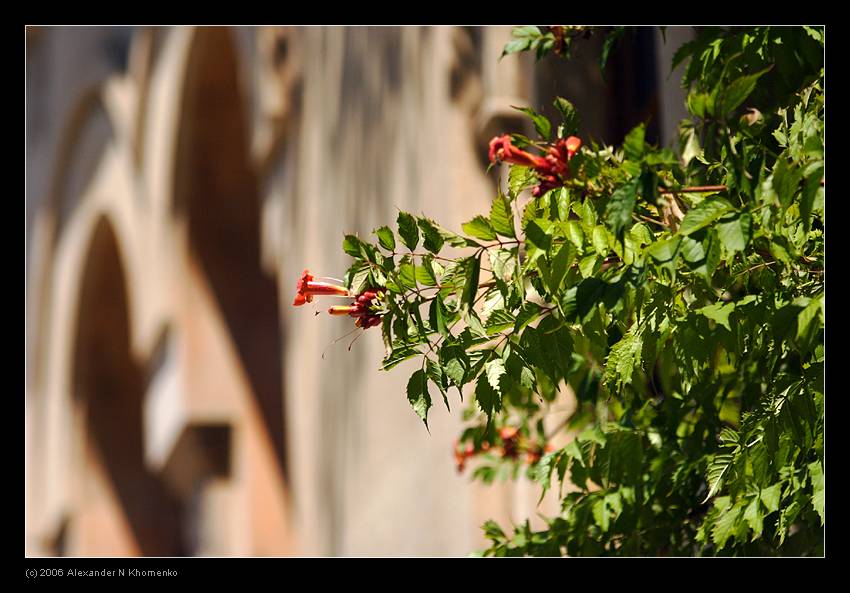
<point x="552" y="169"/>
<point x="308" y="288"/>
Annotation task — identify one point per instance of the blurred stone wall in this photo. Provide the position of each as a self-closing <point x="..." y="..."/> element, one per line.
<point x="178" y="181"/>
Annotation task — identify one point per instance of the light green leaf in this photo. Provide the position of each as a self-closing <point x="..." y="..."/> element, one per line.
<point x="502" y="217"/>
<point x="770" y="497"/>
<point x="494" y="370"/>
<point x="719" y="312"/>
<point x="735" y="234"/>
<point x="704" y="214"/>
<point x="479" y="227"/>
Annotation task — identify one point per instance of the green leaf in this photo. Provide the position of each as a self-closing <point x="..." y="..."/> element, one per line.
<point x="353" y="246"/>
<point x="433" y="239"/>
<point x="494" y="370"/>
<point x="737" y="92"/>
<point x="437" y="376"/>
<point x="360" y="279"/>
<point x="720" y="464"/>
<point x="634" y="143"/>
<point x="816" y="474"/>
<point x="521" y="178"/>
<point x="537" y="236"/>
<point x="734" y="234"/>
<point x="418" y="396"/>
<point x="560" y="264"/>
<point x="425" y="273"/>
<point x="569" y="115"/>
<point x="786" y="179"/>
<point x="399" y="355"/>
<point x="438" y="316"/>
<point x="386" y="237"/>
<point x="541" y="124"/>
<point x="719" y="312"/>
<point x="575" y="234"/>
<point x="619" y="208"/>
<point x="665" y="250"/>
<point x="455" y="363"/>
<point x="600" y="240"/>
<point x="725" y="526"/>
<point x="624" y="359"/>
<point x="770" y="497"/>
<point x="610" y="40"/>
<point x="407" y="230"/>
<point x="488" y="399"/>
<point x="472" y="269"/>
<point x="479" y="227"/>
<point x="704" y="214"/>
<point x="808" y="316"/>
<point x="754" y="518"/>
<point x="502" y="217"/>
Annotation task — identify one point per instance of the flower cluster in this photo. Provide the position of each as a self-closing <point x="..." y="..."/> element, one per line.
<point x="512" y="445"/>
<point x="364" y="308"/>
<point x="553" y="169"/>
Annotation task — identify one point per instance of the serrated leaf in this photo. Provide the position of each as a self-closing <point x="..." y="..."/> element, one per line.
<point x="418" y="396"/>
<point x="725" y="526"/>
<point x="569" y="116"/>
<point x="437" y="376"/>
<point x="560" y="264"/>
<point x="488" y="399"/>
<point x="706" y="212"/>
<point x="360" y="279"/>
<point x="720" y="464"/>
<point x="541" y="123"/>
<point x="816" y="474"/>
<point x="433" y="240"/>
<point x="737" y="92"/>
<point x="399" y="355"/>
<point x="386" y="238"/>
<point x="623" y="360"/>
<point x="634" y="144"/>
<point x="472" y="270"/>
<point x="521" y="178"/>
<point x="754" y="518"/>
<point x="480" y="228"/>
<point x="494" y="370"/>
<point x="770" y="497"/>
<point x="407" y="230"/>
<point x="619" y="208"/>
<point x="502" y="217"/>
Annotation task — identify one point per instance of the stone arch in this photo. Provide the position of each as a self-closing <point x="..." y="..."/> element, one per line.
<point x="87" y="134"/>
<point x="108" y="386"/>
<point x="216" y="194"/>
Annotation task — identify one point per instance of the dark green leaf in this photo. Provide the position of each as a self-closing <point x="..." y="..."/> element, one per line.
<point x="386" y="237"/>
<point x="433" y="239"/>
<point x="407" y="230"/>
<point x="418" y="396"/>
<point x="619" y="209"/>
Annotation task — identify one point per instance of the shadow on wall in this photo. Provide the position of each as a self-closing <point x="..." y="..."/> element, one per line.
<point x="108" y="390"/>
<point x="217" y="190"/>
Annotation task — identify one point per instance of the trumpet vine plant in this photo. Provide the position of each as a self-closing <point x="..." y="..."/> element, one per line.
<point x="677" y="296"/>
